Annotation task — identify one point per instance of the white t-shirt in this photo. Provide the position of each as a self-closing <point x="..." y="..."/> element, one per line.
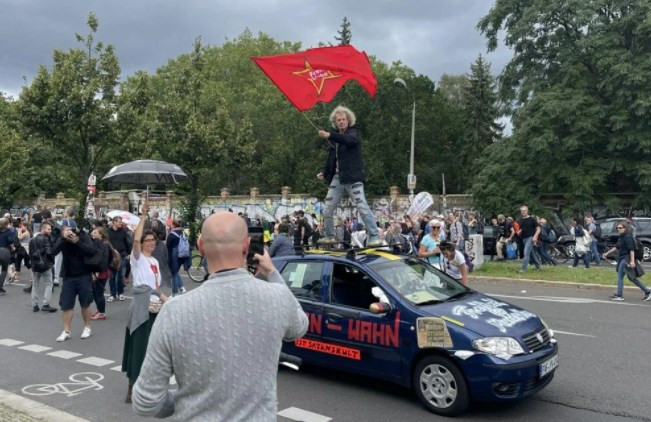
<point x="453" y="267"/>
<point x="145" y="270"/>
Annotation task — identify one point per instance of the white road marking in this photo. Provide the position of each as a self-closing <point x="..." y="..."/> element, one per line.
<point x="574" y="300"/>
<point x="64" y="354"/>
<point x="10" y="342"/>
<point x="572" y="334"/>
<point x="296" y="414"/>
<point x="96" y="361"/>
<point x="117" y="368"/>
<point x="35" y="348"/>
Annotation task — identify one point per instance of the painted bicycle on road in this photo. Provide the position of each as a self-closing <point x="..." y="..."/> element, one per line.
<point x="80" y="382"/>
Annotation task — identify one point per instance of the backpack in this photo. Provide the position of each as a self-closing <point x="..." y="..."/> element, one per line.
<point x="183" y="249"/>
<point x="597" y="231"/>
<point x="551" y="236"/>
<point x="39" y="261"/>
<point x="116" y="259"/>
<point x="98" y="262"/>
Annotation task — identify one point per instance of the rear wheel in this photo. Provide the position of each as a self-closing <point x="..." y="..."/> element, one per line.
<point x="197" y="271"/>
<point x="569" y="250"/>
<point x="440" y="386"/>
<point x="646" y="252"/>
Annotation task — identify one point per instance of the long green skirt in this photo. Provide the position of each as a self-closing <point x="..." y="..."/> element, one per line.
<point x="135" y="348"/>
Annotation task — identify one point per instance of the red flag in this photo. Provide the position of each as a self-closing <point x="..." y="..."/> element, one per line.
<point x="318" y="73"/>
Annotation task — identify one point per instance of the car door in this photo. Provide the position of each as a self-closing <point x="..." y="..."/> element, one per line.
<point x="305" y="280"/>
<point x="368" y="342"/>
<point x="609" y="233"/>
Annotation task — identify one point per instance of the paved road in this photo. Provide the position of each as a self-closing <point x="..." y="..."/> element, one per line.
<point x="604" y="373"/>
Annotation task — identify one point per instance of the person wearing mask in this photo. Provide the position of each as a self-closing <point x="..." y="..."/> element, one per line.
<point x="429" y="246"/>
<point x="626" y="263"/>
<point x="204" y="338"/>
<point x="282" y="245"/>
<point x="42" y="260"/>
<point x="581" y="249"/>
<point x="77" y="279"/>
<point x="119" y="239"/>
<point x="7" y="241"/>
<point x="146" y="303"/>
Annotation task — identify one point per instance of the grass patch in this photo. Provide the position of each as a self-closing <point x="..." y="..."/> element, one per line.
<point x="605" y="274"/>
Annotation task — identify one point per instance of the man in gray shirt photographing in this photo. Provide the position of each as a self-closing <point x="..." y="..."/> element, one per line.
<point x="222" y="340"/>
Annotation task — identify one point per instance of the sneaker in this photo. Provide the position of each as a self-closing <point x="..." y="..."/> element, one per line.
<point x="183" y="290"/>
<point x="326" y="240"/>
<point x="2" y="291"/>
<point x="617" y="298"/>
<point x="110" y="299"/>
<point x="35" y="308"/>
<point x="86" y="333"/>
<point x="27" y="289"/>
<point x="48" y="308"/>
<point x="374" y="243"/>
<point x="97" y="315"/>
<point x="121" y="297"/>
<point x="647" y="297"/>
<point x="64" y="336"/>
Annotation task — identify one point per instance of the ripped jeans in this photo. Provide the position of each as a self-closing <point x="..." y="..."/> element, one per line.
<point x="356" y="193"/>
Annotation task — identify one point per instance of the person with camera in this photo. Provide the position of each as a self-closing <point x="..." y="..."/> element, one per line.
<point x="77" y="280"/>
<point x="221" y="341"/>
<point x="344" y="173"/>
<point x="42" y="260"/>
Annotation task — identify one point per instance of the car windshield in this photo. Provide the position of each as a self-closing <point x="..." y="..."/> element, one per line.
<point x="419" y="282"/>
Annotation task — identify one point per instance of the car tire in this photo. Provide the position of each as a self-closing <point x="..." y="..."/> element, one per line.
<point x="569" y="250"/>
<point x="646" y="252"/>
<point x="440" y="386"/>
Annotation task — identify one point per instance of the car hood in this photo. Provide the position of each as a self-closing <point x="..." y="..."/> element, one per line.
<point x="486" y="316"/>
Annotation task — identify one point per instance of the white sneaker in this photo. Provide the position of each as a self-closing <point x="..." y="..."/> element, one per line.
<point x="64" y="336"/>
<point x="110" y="299"/>
<point x="183" y="290"/>
<point x="85" y="334"/>
<point x="121" y="297"/>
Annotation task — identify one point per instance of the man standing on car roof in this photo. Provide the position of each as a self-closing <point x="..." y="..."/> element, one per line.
<point x="344" y="172"/>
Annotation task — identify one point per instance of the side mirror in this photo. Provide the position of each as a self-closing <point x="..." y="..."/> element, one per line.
<point x="380" y="308"/>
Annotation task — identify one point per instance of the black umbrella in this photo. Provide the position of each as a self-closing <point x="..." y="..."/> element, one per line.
<point x="146" y="172"/>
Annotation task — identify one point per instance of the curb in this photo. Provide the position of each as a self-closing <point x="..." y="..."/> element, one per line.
<point x="534" y="282"/>
<point x="35" y="409"/>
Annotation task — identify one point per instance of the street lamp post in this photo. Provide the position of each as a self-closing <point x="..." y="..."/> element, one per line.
<point x="411" y="177"/>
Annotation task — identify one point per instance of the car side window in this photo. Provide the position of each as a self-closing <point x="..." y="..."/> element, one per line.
<point x="304" y="279"/>
<point x="351" y="287"/>
<point x="608" y="227"/>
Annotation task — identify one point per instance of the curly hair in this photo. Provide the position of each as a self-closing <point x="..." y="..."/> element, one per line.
<point x="349" y="115"/>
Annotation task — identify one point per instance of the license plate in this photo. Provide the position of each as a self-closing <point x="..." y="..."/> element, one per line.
<point x="549" y="365"/>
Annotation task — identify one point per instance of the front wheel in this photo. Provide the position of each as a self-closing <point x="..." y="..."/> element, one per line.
<point x="646" y="252"/>
<point x="440" y="386"/>
<point x="197" y="271"/>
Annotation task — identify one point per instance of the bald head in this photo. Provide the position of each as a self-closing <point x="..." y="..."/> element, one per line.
<point x="224" y="241"/>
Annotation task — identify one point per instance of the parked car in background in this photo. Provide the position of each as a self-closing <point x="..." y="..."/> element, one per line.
<point x="609" y="235"/>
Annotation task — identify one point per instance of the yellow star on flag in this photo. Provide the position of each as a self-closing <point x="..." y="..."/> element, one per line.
<point x="316" y="76"/>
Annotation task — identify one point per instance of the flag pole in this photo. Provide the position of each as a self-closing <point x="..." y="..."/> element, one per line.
<point x="309" y="121"/>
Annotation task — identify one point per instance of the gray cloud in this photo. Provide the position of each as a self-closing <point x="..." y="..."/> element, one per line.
<point x="431" y="36"/>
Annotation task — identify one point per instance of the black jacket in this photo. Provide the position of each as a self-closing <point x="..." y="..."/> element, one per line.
<point x="41" y="246"/>
<point x="119" y="239"/>
<point x="351" y="164"/>
<point x="73" y="255"/>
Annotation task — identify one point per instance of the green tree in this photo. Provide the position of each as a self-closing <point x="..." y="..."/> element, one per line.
<point x="70" y="108"/>
<point x="345" y="35"/>
<point x="577" y="86"/>
<point x="452" y="87"/>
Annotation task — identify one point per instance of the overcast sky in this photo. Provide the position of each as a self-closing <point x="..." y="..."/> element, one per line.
<point x="430" y="36"/>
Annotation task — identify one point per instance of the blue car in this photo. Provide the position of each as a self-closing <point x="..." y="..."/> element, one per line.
<point x="399" y="319"/>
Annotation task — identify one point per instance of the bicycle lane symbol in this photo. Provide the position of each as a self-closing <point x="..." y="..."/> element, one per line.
<point x="80" y="382"/>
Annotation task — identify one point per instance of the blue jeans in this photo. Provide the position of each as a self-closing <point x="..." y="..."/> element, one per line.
<point x="356" y="193"/>
<point x="624" y="268"/>
<point x="595" y="253"/>
<point x="528" y="254"/>
<point x="177" y="283"/>
<point x="116" y="282"/>
<point x="585" y="257"/>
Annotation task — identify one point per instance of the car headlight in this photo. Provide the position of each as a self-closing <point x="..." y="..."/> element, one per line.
<point x="549" y="330"/>
<point x="502" y="347"/>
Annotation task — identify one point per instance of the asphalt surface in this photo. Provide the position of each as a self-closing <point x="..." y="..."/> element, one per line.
<point x="604" y="372"/>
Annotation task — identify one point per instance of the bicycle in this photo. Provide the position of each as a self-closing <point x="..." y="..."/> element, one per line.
<point x="558" y="253"/>
<point x="197" y="270"/>
<point x="82" y="381"/>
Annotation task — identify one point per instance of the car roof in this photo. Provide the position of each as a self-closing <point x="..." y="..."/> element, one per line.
<point x="364" y="257"/>
<point x="622" y="218"/>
